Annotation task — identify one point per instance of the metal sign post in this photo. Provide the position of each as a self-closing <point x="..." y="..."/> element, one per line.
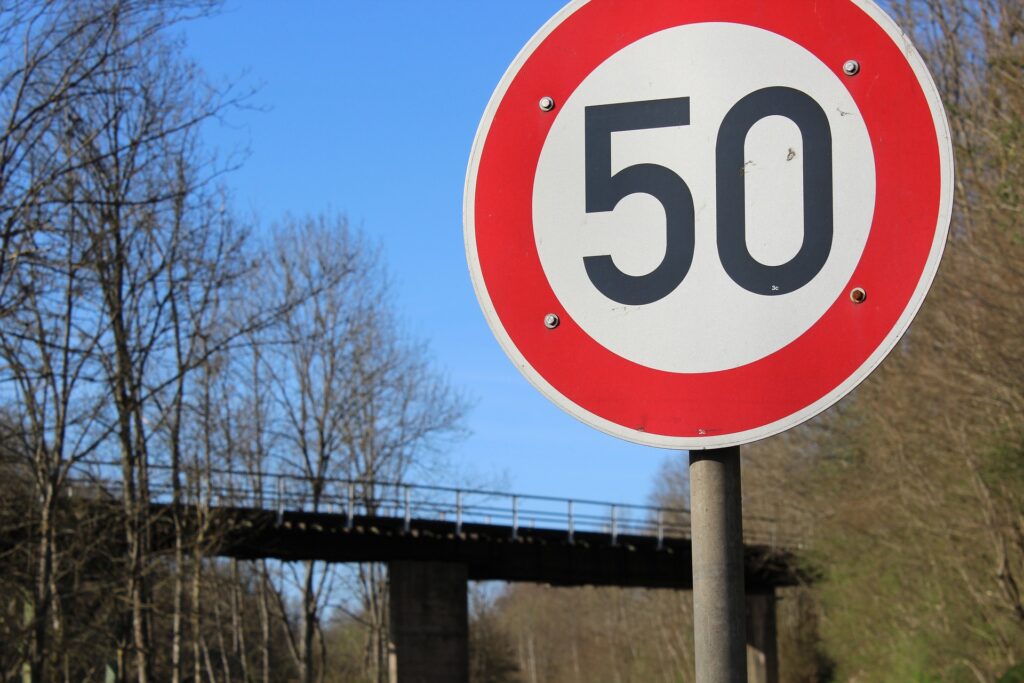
<point x="719" y="606"/>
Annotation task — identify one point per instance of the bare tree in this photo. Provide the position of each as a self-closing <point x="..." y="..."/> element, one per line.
<point x="124" y="331"/>
<point x="47" y="345"/>
<point x="348" y="398"/>
<point x="98" y="167"/>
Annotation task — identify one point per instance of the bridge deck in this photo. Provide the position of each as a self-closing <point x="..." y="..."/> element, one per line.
<point x="491" y="552"/>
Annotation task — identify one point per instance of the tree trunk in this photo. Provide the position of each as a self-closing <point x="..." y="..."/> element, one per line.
<point x="197" y="593"/>
<point x="178" y="600"/>
<point x="308" y="624"/>
<point x="237" y="621"/>
<point x="221" y="645"/>
<point x="264" y="600"/>
<point x="41" y="596"/>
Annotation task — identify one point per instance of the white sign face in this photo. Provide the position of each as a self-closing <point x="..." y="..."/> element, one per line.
<point x="708" y="322"/>
<point x="698" y="224"/>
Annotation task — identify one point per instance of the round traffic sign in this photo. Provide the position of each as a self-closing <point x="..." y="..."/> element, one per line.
<point x="698" y="224"/>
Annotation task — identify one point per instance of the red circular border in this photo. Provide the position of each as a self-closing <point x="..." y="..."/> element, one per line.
<point x="908" y="181"/>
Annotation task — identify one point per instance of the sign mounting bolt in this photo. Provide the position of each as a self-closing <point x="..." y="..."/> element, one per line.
<point x="546" y="103"/>
<point x="858" y="295"/>
<point x="851" y="67"/>
<point x="551" y="321"/>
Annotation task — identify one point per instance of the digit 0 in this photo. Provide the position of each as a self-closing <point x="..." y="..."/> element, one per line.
<point x="744" y="269"/>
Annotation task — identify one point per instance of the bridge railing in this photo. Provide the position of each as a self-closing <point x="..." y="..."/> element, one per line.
<point x="283" y="492"/>
<point x="352" y="498"/>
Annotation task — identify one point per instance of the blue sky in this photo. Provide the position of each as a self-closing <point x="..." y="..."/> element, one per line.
<point x="369" y="108"/>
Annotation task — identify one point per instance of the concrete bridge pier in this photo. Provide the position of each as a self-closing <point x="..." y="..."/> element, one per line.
<point x="762" y="645"/>
<point x="430" y="621"/>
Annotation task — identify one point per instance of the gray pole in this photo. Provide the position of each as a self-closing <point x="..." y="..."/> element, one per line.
<point x="719" y="609"/>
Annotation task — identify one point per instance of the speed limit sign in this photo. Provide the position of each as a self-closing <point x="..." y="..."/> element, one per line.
<point x="696" y="224"/>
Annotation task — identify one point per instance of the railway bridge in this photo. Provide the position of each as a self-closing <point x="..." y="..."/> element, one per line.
<point x="435" y="539"/>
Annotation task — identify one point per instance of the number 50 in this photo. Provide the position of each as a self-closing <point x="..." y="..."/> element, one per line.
<point x="604" y="191"/>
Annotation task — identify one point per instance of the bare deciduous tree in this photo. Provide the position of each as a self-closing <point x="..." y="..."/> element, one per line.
<point x="350" y="398"/>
